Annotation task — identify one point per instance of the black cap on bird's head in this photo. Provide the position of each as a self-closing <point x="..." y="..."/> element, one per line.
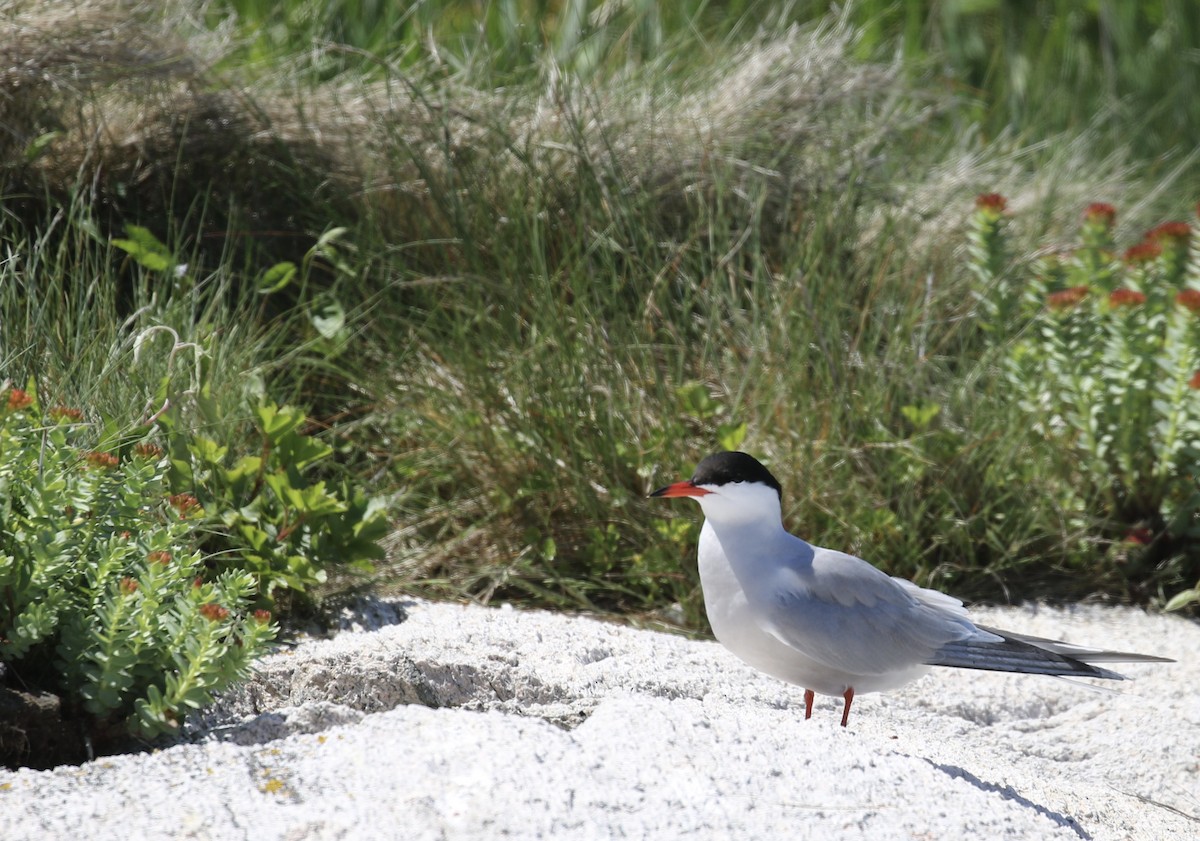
<point x="722" y="469"/>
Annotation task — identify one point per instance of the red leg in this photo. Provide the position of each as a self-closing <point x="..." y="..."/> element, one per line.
<point x="809" y="697"/>
<point x="849" y="696"/>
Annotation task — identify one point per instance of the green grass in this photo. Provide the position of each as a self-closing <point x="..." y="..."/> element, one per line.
<point x="1029" y="69"/>
<point x="486" y="40"/>
<point x="581" y="258"/>
<point x="125" y="340"/>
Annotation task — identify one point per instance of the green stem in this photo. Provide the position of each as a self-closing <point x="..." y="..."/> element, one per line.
<point x="208" y="652"/>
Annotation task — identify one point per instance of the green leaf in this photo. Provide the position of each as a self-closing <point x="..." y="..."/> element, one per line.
<point x="276" y="421"/>
<point x="329" y="320"/>
<point x="243" y="468"/>
<point x="299" y="451"/>
<point x="920" y="415"/>
<point x="696" y="400"/>
<point x="327" y="248"/>
<point x="208" y="450"/>
<point x="182" y="475"/>
<point x="40" y="145"/>
<point x="731" y="435"/>
<point x="1181" y="600"/>
<point x="327" y="239"/>
<point x="145" y="249"/>
<point x="276" y="278"/>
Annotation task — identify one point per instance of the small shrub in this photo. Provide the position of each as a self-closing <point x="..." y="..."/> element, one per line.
<point x="255" y="502"/>
<point x="261" y="511"/>
<point x="1108" y="364"/>
<point x="102" y="592"/>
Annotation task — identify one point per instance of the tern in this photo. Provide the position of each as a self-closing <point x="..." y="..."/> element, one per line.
<point x="831" y="622"/>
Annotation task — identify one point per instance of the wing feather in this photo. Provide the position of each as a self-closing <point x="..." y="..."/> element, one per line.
<point x="846" y="614"/>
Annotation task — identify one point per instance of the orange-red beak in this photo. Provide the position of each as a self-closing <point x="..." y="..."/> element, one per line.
<point x="680" y="489"/>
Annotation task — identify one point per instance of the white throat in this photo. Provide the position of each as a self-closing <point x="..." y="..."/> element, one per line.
<point x="750" y="506"/>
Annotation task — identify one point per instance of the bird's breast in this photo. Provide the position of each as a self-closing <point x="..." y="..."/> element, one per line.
<point x="730" y="591"/>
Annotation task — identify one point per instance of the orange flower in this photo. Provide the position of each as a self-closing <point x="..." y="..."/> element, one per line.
<point x="101" y="461"/>
<point x="128" y="586"/>
<point x="991" y="201"/>
<point x="213" y="612"/>
<point x="148" y="450"/>
<point x="62" y="413"/>
<point x="1194" y="382"/>
<point x="1140" y="536"/>
<point x="163" y="558"/>
<point x="18" y="400"/>
<point x="262" y="617"/>
<point x="1066" y="298"/>
<point x="1143" y="252"/>
<point x="183" y="503"/>
<point x="1189" y="298"/>
<point x="1101" y="212"/>
<point x="1125" y="298"/>
<point x="1169" y="233"/>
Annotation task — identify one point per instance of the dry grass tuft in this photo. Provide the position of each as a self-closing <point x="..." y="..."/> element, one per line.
<point x="140" y="116"/>
<point x="54" y="55"/>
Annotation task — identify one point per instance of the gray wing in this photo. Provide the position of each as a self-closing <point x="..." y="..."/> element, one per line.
<point x="1034" y="655"/>
<point x="846" y="614"/>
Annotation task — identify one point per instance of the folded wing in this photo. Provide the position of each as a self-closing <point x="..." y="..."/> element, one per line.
<point x="841" y="611"/>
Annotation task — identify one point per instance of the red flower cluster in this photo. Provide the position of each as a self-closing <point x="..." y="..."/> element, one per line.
<point x="1141" y="536"/>
<point x="1189" y="298"/>
<point x="62" y="413"/>
<point x="1170" y="233"/>
<point x="262" y="617"/>
<point x="1143" y="252"/>
<point x="1101" y="212"/>
<point x="101" y="461"/>
<point x="129" y="586"/>
<point x="1066" y="298"/>
<point x="183" y="503"/>
<point x="213" y="612"/>
<point x="147" y="450"/>
<point x="991" y="201"/>
<point x="1125" y="298"/>
<point x="1194" y="382"/>
<point x="163" y="558"/>
<point x="18" y="400"/>
<point x="1167" y="235"/>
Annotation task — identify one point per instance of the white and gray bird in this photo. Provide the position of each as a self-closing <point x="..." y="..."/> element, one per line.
<point x="830" y="622"/>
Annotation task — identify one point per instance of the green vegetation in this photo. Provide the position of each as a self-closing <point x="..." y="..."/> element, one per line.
<point x="1029" y="69"/>
<point x="103" y="598"/>
<point x="138" y="532"/>
<point x="164" y="496"/>
<point x="520" y="262"/>
<point x="1108" y="365"/>
<point x="263" y="514"/>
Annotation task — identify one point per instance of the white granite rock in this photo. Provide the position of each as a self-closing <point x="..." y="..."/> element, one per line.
<point x="438" y="721"/>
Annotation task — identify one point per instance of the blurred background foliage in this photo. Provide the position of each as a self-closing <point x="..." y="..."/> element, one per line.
<point x="1031" y="67"/>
